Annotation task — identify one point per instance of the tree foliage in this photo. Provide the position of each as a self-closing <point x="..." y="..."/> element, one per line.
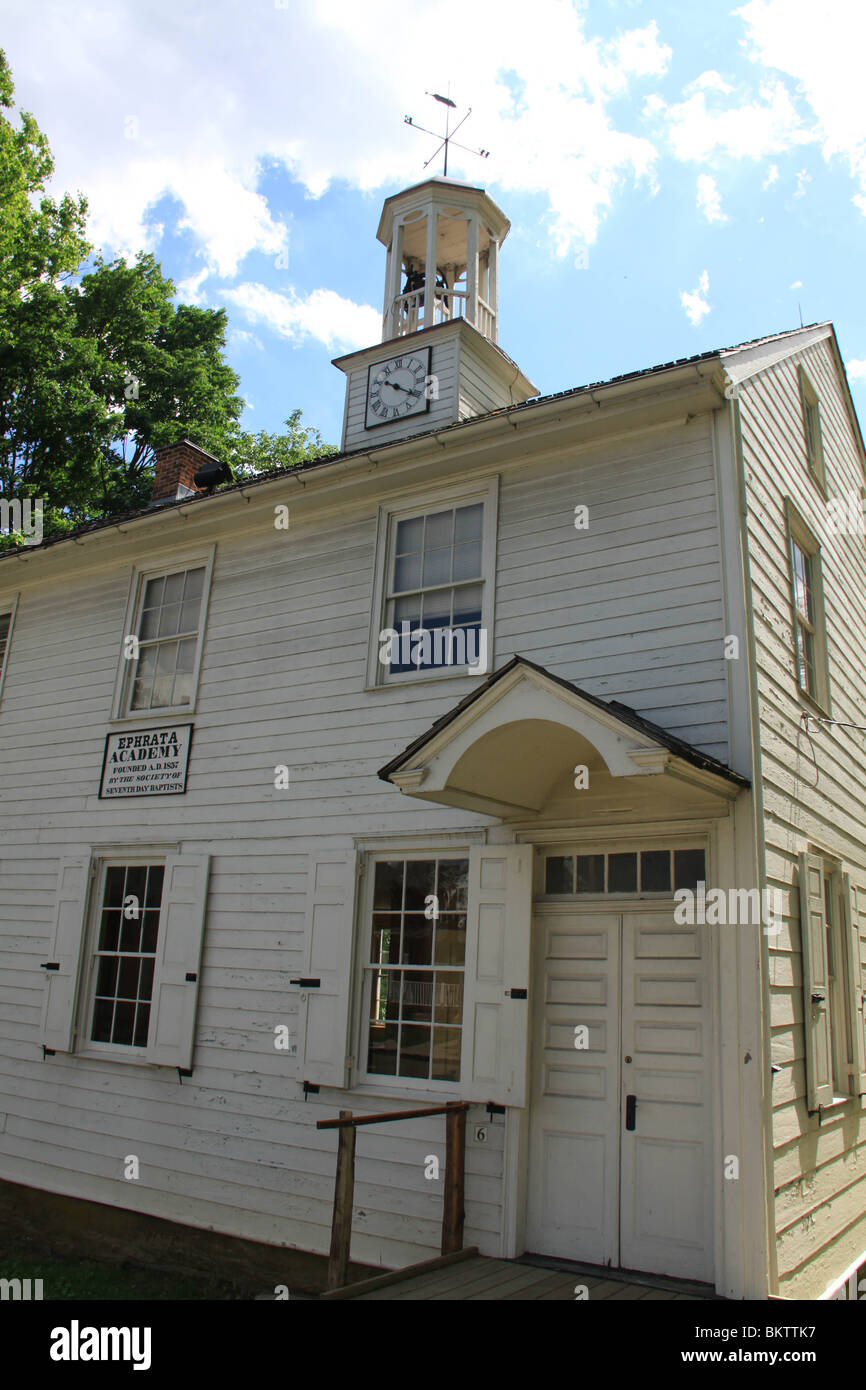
<point x="99" y="365"/>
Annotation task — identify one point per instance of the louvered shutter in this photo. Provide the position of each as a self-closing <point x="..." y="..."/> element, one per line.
<point x="61" y="985"/>
<point x="816" y="993"/>
<point x="496" y="1023"/>
<point x="177" y="967"/>
<point x="323" y="1014"/>
<point x="856" y="983"/>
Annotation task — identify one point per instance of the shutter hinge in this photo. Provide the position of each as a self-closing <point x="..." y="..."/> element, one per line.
<point x="494" y="1109"/>
<point x="516" y="993"/>
<point x="47" y="1052"/>
<point x="50" y="965"/>
<point x="306" y="983"/>
<point x="310" y="1089"/>
<point x="191" y="977"/>
<point x="182" y="1072"/>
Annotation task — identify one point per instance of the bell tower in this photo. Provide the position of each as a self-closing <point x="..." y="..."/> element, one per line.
<point x="439" y="360"/>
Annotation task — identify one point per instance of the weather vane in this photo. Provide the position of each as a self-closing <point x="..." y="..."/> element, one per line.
<point x="448" y="138"/>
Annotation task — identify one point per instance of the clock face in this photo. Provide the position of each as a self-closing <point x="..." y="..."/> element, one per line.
<point x="398" y="387"/>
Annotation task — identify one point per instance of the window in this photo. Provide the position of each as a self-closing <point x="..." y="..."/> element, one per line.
<point x="126" y="943"/>
<point x="129" y="931"/>
<point x="162" y="640"/>
<point x="6" y="619"/>
<point x="810" y="659"/>
<point x="811" y="427"/>
<point x="415" y="968"/>
<point x="433" y="607"/>
<point x="632" y="871"/>
<point x="833" y="982"/>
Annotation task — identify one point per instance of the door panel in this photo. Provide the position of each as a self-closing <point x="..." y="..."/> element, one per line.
<point x="666" y="1209"/>
<point x="574" y="1160"/>
<point x="598" y="1192"/>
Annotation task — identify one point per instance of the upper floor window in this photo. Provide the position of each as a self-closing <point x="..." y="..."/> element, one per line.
<point x="811" y="427"/>
<point x="810" y="659"/>
<point x="163" y="639"/>
<point x="434" y="607"/>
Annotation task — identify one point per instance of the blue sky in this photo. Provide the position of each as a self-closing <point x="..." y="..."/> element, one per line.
<point x="679" y="176"/>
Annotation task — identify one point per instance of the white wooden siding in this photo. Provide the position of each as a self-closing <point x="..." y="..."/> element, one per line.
<point x="631" y="609"/>
<point x="819" y="1170"/>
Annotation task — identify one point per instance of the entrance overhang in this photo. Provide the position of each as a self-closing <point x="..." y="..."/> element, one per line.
<point x="506" y="747"/>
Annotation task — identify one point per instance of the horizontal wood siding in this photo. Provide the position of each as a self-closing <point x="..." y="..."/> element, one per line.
<point x="813" y="794"/>
<point x="631" y="609"/>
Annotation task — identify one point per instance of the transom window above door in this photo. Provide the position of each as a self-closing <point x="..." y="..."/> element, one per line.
<point x="619" y="871"/>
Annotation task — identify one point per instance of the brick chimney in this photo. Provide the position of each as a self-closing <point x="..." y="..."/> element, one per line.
<point x="176" y="466"/>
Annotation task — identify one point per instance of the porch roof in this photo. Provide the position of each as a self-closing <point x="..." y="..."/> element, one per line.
<point x="502" y="748"/>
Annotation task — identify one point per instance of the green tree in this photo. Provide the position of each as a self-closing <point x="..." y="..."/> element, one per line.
<point x="98" y="364"/>
<point x="253" y="454"/>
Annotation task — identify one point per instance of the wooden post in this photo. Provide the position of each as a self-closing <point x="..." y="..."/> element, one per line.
<point x="455" y="1162"/>
<point x="344" y="1192"/>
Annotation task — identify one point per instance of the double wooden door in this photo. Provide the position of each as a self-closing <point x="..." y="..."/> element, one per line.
<point x="620" y="1162"/>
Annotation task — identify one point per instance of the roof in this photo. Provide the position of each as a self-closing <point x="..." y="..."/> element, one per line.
<point x="325" y="460"/>
<point x="624" y="713"/>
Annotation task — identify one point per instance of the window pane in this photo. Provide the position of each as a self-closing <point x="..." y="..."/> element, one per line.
<point x="467" y="604"/>
<point x="559" y="874"/>
<point x="382" y="1049"/>
<point x="451" y="938"/>
<point x="124" y="1023"/>
<point x="173" y="589"/>
<point x="114" y="880"/>
<point x="142" y="1020"/>
<point x="420" y="882"/>
<point x="145" y="983"/>
<point x="410" y="535"/>
<point x="110" y="931"/>
<point x="189" y="614"/>
<point x="468" y="522"/>
<point x="689" y="868"/>
<point x="106" y="981"/>
<point x="452" y="883"/>
<point x="136" y="880"/>
<point x="103" y="1013"/>
<point x="448" y="998"/>
<point x="437" y="608"/>
<point x="417" y="996"/>
<point x="415" y="1050"/>
<point x="446" y="1054"/>
<point x="153" y="592"/>
<point x="417" y="939"/>
<point x="386" y="939"/>
<point x="439" y="530"/>
<point x="437" y="567"/>
<point x="194" y="586"/>
<point x="467" y="561"/>
<point x="407" y="572"/>
<point x="655" y="871"/>
<point x="388" y="886"/>
<point x="168" y="620"/>
<point x="590" y="873"/>
<point x="149" y="624"/>
<point x="622" y="873"/>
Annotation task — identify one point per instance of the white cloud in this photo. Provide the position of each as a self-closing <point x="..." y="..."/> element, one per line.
<point x="856" y="368"/>
<point x="143" y="102"/>
<point x="324" y="315"/>
<point x="710" y="199"/>
<point x="710" y="81"/>
<point x="242" y="338"/>
<point x="823" y="53"/>
<point x="772" y="176"/>
<point x="803" y="178"/>
<point x="695" y="302"/>
<point x="189" y="290"/>
<point x="769" y="124"/>
<point x="797" y="285"/>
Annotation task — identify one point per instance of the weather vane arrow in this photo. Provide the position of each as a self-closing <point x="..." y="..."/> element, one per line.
<point x="448" y="138"/>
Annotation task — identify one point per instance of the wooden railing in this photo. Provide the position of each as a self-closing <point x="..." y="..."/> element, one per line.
<point x="344" y="1187"/>
<point x="407" y="312"/>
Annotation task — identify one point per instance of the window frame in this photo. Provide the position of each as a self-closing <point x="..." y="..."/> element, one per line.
<point x="85" y="1046"/>
<point x="10" y="607"/>
<point x="484" y="490"/>
<point x="140" y="575"/>
<point x="799" y="533"/>
<point x="810" y="409"/>
<point x="378" y="1083"/>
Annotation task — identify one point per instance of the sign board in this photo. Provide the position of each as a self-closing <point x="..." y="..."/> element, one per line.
<point x="146" y="762"/>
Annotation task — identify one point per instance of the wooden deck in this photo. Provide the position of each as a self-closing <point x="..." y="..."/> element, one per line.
<point x="468" y="1275"/>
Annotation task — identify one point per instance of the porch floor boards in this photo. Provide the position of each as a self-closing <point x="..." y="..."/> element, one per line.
<point x="482" y="1278"/>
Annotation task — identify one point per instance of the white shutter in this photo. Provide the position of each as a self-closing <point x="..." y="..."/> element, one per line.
<point x="58" y="1015"/>
<point x="178" y="957"/>
<point x="856" y="986"/>
<point x="816" y="990"/>
<point x="323" y="1019"/>
<point x="495" y="1024"/>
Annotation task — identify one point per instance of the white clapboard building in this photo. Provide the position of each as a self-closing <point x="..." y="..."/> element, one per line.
<point x="370" y="786"/>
